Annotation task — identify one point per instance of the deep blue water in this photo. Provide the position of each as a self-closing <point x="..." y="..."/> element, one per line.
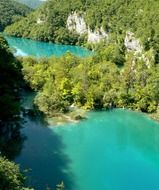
<point x="116" y="150"/>
<point x="24" y="47"/>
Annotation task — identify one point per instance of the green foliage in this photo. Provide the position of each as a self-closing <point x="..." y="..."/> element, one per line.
<point x="31" y="3"/>
<point x="93" y="83"/>
<point x="116" y="17"/>
<point x="9" y="84"/>
<point x="11" y="11"/>
<point x="10" y="176"/>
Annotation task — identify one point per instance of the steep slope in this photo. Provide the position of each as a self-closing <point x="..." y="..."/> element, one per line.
<point x="11" y="11"/>
<point x="10" y="78"/>
<point x="32" y="3"/>
<point x="72" y="22"/>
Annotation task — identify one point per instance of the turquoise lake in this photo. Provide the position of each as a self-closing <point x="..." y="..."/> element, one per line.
<point x="114" y="150"/>
<point x="25" y="47"/>
<point x="110" y="150"/>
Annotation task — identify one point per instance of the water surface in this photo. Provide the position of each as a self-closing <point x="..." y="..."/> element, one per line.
<point x="116" y="150"/>
<point x="24" y="47"/>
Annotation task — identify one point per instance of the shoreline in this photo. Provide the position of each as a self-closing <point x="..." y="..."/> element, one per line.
<point x="74" y="116"/>
<point x="60" y="119"/>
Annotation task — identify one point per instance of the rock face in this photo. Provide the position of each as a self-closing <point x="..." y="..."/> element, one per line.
<point x="131" y="43"/>
<point x="76" y="22"/>
<point x="39" y="21"/>
<point x="97" y="35"/>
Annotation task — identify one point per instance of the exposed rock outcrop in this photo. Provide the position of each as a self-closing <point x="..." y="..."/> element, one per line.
<point x="76" y="22"/>
<point x="40" y="21"/>
<point x="97" y="35"/>
<point x="132" y="43"/>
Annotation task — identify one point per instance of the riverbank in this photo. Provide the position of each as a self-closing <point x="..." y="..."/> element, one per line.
<point x="73" y="116"/>
<point x="78" y="114"/>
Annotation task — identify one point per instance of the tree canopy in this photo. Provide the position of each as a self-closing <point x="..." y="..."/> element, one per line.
<point x="115" y="16"/>
<point x="11" y="11"/>
<point x="97" y="82"/>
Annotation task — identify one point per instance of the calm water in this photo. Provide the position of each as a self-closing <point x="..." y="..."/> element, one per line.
<point x="24" y="47"/>
<point x="116" y="150"/>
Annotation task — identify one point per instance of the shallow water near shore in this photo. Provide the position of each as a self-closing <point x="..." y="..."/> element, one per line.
<point x="110" y="150"/>
<point x="27" y="47"/>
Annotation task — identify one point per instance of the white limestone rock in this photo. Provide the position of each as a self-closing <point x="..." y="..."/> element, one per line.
<point x="131" y="43"/>
<point x="76" y="22"/>
<point x="40" y="21"/>
<point x="97" y="35"/>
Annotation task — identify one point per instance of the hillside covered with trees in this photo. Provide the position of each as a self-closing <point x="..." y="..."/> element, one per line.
<point x="116" y="17"/>
<point x="32" y="3"/>
<point x="114" y="76"/>
<point x="11" y="11"/>
<point x="97" y="89"/>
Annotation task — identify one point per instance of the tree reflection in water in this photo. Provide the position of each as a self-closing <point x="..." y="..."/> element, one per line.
<point x="11" y="139"/>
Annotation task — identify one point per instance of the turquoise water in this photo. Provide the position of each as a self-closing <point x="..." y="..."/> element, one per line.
<point x="24" y="47"/>
<point x="114" y="150"/>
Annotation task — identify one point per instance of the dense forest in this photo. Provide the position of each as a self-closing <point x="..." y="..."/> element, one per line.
<point x="48" y="23"/>
<point x="31" y="3"/>
<point x="9" y="85"/>
<point x="11" y="11"/>
<point x="98" y="82"/>
<point x="112" y="77"/>
<point x="135" y="77"/>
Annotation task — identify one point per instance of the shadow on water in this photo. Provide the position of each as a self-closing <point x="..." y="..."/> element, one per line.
<point x="38" y="149"/>
<point x="43" y="154"/>
<point x="11" y="140"/>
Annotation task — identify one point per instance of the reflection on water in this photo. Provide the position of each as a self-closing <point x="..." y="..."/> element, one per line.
<point x="25" y="47"/>
<point x="11" y="140"/>
<point x="43" y="153"/>
<point x="115" y="150"/>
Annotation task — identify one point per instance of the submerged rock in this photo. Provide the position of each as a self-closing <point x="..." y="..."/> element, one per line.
<point x="79" y="117"/>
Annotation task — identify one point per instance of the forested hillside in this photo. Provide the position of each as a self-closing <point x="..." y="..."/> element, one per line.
<point x="121" y="28"/>
<point x="10" y="77"/>
<point x="50" y="21"/>
<point x="11" y="11"/>
<point x="32" y="3"/>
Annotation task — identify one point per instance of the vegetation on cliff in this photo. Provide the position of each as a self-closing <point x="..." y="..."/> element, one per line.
<point x="31" y="3"/>
<point x="10" y="139"/>
<point x="10" y="78"/>
<point x="48" y="23"/>
<point x="11" y="11"/>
